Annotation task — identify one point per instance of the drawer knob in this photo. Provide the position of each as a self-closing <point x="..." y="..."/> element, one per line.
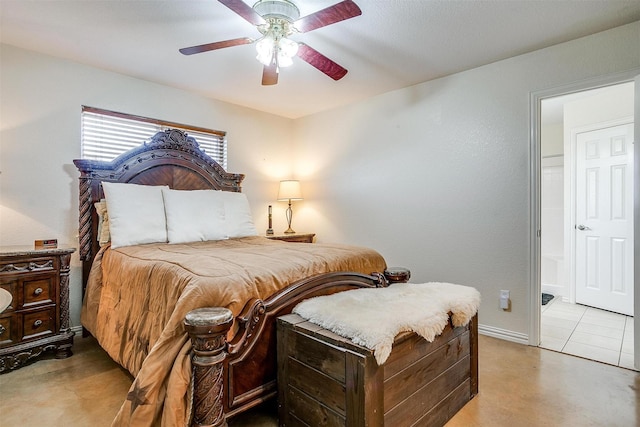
<point x="37" y="292"/>
<point x="2" y="329"/>
<point x="37" y="323"/>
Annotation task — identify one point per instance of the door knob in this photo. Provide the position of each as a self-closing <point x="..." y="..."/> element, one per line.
<point x="583" y="227"/>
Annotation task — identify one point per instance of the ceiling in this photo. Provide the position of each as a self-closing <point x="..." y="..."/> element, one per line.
<point x="393" y="44"/>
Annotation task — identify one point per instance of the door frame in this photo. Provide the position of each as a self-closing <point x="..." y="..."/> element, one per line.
<point x="535" y="173"/>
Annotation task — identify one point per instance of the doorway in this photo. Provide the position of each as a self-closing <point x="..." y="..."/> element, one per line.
<point x="583" y="272"/>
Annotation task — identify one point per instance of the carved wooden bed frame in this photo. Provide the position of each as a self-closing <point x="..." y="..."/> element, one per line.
<point x="229" y="377"/>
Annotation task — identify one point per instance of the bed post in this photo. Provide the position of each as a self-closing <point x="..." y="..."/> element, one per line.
<point x="207" y="328"/>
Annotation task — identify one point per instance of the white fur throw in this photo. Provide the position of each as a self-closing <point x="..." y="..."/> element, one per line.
<point x="373" y="317"/>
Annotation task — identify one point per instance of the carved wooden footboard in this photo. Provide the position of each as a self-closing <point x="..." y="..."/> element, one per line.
<point x="232" y="377"/>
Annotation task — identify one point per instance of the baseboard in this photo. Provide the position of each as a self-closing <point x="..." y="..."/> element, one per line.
<point x="504" y="334"/>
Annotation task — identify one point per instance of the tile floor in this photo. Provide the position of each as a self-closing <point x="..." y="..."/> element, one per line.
<point x="587" y="332"/>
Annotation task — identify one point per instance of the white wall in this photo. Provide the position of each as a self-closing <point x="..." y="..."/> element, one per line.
<point x="614" y="103"/>
<point x="552" y="207"/>
<point x="552" y="139"/>
<point x="41" y="99"/>
<point x="436" y="176"/>
<point x="552" y="274"/>
<point x="552" y="263"/>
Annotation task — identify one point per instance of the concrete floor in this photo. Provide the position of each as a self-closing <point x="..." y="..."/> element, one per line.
<point x="519" y="386"/>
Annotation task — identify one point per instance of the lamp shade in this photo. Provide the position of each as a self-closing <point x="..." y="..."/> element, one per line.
<point x="289" y="190"/>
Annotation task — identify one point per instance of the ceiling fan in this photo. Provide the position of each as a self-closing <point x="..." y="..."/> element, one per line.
<point x="276" y="20"/>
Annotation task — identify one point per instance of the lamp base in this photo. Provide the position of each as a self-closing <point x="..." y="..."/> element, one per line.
<point x="289" y="214"/>
<point x="269" y="231"/>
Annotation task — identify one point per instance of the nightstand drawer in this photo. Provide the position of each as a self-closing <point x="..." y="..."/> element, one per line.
<point x="8" y="331"/>
<point x="27" y="265"/>
<point x="38" y="290"/>
<point x="38" y="323"/>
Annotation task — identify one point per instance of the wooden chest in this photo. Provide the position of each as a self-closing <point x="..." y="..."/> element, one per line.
<point x="327" y="380"/>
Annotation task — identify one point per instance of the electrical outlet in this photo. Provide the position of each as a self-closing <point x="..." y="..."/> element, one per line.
<point x="504" y="300"/>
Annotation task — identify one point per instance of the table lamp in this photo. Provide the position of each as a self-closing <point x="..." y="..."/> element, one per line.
<point x="289" y="190"/>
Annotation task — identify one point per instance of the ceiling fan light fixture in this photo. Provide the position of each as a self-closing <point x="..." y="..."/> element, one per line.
<point x="284" y="48"/>
<point x="287" y="49"/>
<point x="282" y="9"/>
<point x="284" y="61"/>
<point x="265" y="48"/>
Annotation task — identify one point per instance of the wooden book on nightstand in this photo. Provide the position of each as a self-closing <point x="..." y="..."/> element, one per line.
<point x="37" y="318"/>
<point x="296" y="237"/>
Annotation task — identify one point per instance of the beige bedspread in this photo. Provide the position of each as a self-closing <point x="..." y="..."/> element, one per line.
<point x="138" y="296"/>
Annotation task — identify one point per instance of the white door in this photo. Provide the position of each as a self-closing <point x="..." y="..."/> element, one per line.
<point x="604" y="218"/>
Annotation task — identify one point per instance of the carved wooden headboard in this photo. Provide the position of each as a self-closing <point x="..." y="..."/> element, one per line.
<point x="170" y="158"/>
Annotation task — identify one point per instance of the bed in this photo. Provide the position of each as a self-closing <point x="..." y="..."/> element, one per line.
<point x="200" y="352"/>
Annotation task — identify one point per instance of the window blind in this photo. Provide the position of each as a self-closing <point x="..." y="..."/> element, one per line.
<point x="107" y="134"/>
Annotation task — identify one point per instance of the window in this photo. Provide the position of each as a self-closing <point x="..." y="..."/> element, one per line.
<point x="107" y="134"/>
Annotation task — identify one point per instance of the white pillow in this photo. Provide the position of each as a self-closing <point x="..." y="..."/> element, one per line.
<point x="136" y="214"/>
<point x="194" y="216"/>
<point x="237" y="214"/>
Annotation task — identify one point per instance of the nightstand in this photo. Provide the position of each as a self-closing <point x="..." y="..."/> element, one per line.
<point x="37" y="318"/>
<point x="296" y="238"/>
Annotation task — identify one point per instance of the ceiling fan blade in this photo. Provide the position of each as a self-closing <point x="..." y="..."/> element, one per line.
<point x="321" y="62"/>
<point x="338" y="12"/>
<point x="213" y="46"/>
<point x="244" y="10"/>
<point x="270" y="74"/>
